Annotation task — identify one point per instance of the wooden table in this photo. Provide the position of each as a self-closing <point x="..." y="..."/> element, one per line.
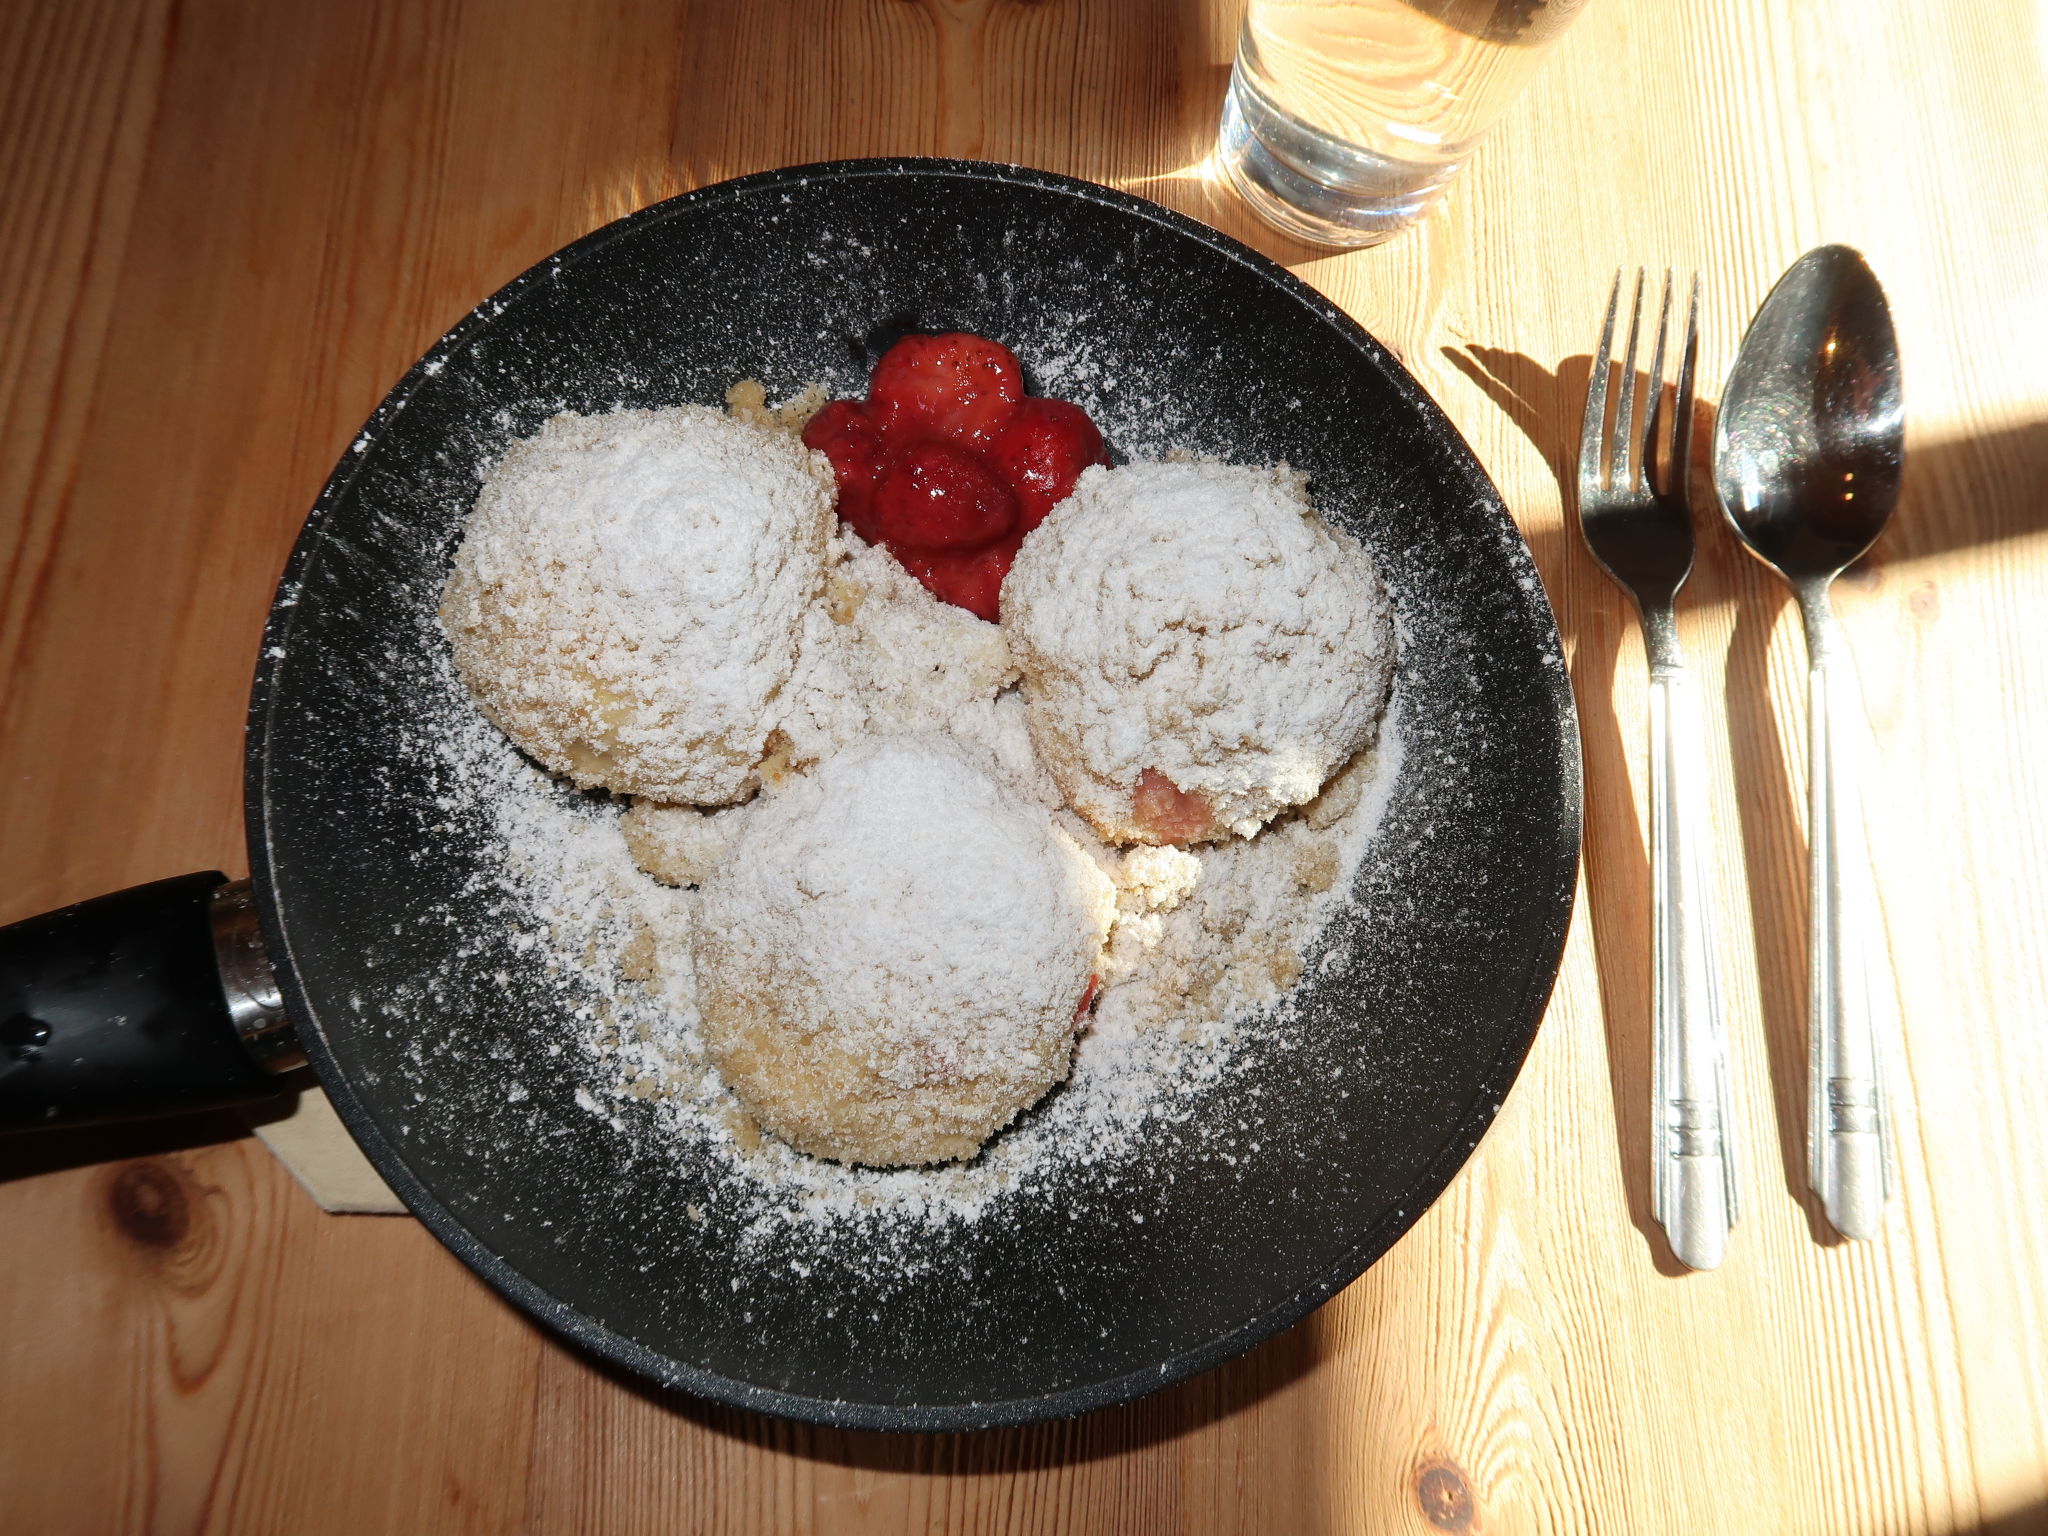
<point x="226" y="228"/>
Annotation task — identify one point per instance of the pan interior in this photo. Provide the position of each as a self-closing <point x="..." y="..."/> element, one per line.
<point x="451" y="1050"/>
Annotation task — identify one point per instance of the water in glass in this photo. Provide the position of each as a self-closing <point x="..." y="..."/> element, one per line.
<point x="1347" y="118"/>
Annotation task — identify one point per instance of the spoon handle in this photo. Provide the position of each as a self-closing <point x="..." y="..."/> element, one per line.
<point x="1692" y="1151"/>
<point x="1848" y="1129"/>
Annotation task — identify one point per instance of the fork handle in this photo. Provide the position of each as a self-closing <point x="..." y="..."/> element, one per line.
<point x="1692" y="1149"/>
<point x="1848" y="1127"/>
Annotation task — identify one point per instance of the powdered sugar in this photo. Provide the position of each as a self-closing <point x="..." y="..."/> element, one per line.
<point x="879" y="653"/>
<point x="1205" y="947"/>
<point x="1199" y="621"/>
<point x="681" y="844"/>
<point x="1224" y="939"/>
<point x="627" y="595"/>
<point x="618" y="946"/>
<point x="889" y="961"/>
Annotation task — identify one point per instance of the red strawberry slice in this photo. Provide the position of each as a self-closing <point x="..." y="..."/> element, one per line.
<point x="970" y="579"/>
<point x="948" y="465"/>
<point x="936" y="495"/>
<point x="955" y="386"/>
<point x="1166" y="813"/>
<point x="1041" y="451"/>
<point x="1087" y="998"/>
<point x="851" y="439"/>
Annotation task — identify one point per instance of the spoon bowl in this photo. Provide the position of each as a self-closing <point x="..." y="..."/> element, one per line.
<point x="1810" y="438"/>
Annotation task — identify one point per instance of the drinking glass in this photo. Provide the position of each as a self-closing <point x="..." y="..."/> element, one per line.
<point x="1346" y="119"/>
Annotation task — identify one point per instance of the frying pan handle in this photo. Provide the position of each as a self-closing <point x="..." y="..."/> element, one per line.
<point x="154" y="1000"/>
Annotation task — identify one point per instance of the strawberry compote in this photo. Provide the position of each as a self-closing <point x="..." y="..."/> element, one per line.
<point x="948" y="463"/>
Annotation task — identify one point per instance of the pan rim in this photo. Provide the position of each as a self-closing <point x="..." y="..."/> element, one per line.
<point x="1462" y="1136"/>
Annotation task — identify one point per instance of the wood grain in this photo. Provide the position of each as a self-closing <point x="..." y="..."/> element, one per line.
<point x="226" y="227"/>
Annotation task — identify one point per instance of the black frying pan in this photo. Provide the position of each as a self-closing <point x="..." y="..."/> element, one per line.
<point x="399" y="962"/>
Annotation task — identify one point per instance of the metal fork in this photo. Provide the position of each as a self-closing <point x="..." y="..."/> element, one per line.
<point x="1643" y="537"/>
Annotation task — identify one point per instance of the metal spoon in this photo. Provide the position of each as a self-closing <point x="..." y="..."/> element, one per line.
<point x="1807" y="452"/>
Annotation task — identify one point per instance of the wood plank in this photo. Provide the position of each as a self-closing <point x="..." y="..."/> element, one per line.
<point x="225" y="231"/>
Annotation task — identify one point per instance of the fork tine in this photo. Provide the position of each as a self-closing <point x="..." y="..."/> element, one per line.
<point x="1653" y="404"/>
<point x="1592" y="468"/>
<point x="1621" y="446"/>
<point x="1681" y="436"/>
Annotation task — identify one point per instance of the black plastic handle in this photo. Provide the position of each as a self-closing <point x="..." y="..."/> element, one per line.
<point x="113" y="1008"/>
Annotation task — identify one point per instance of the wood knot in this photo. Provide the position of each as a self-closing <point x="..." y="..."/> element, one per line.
<point x="149" y="1205"/>
<point x="1445" y="1497"/>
